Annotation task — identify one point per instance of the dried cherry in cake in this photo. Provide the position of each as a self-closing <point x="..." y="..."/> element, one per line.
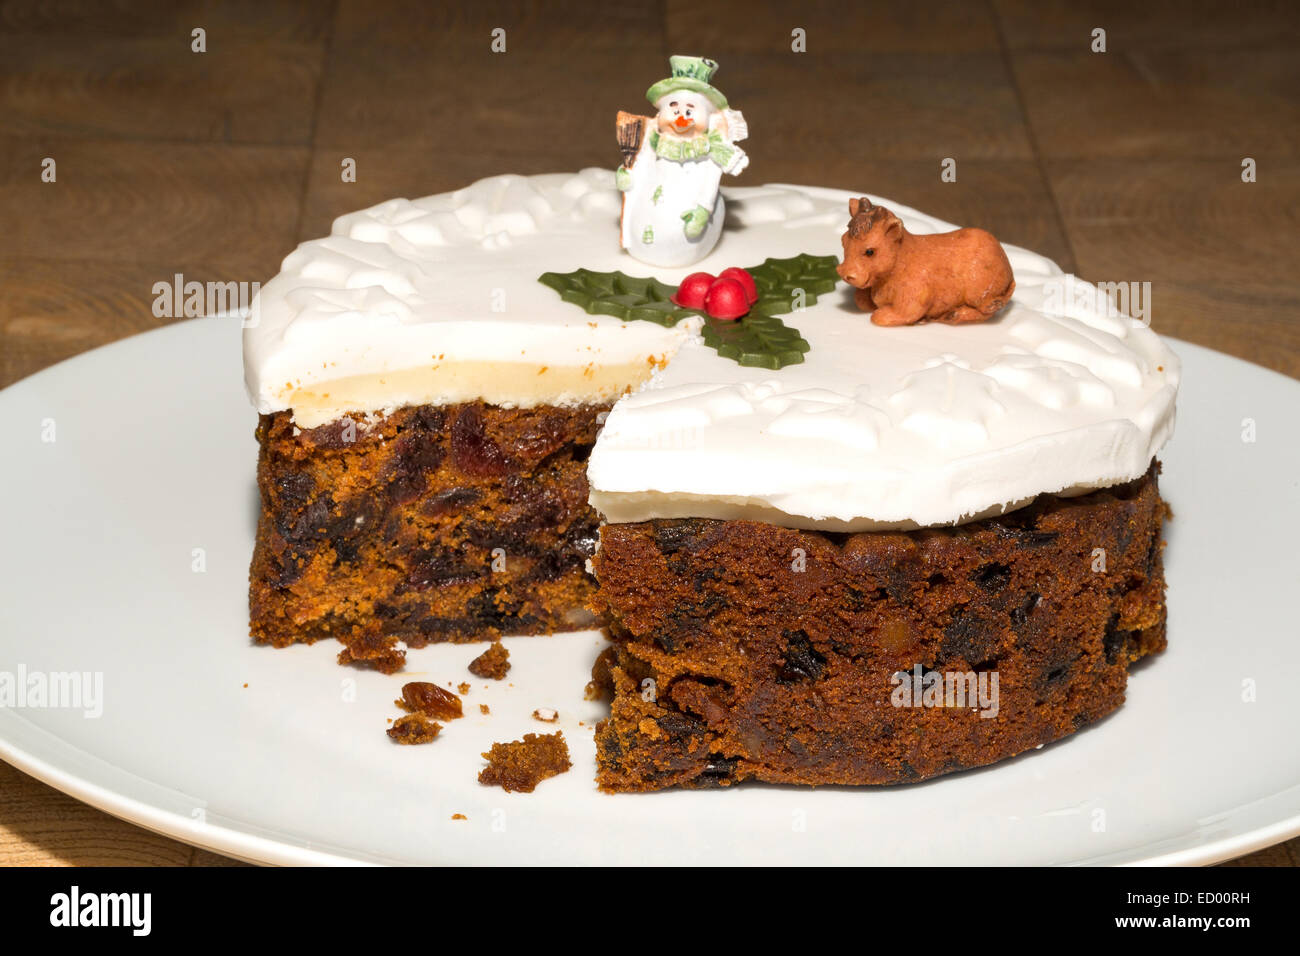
<point x="416" y="457"/>
<point x="430" y="568"/>
<point x="293" y="490"/>
<point x="472" y="451"/>
<point x="799" y="660"/>
<point x="971" y="639"/>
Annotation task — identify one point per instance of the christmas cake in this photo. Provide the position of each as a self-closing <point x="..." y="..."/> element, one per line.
<point x="859" y="498"/>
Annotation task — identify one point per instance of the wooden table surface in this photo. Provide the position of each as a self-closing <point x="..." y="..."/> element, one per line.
<point x="1122" y="165"/>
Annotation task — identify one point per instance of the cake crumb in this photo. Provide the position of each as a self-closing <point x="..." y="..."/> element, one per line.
<point x="601" y="685"/>
<point x="483" y="709"/>
<point x="545" y="715"/>
<point x="463" y="687"/>
<point x="369" y="648"/>
<point x="421" y="697"/>
<point x="521" y="765"/>
<point x="414" y="729"/>
<point x="493" y="663"/>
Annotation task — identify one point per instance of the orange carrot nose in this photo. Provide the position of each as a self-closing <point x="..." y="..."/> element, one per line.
<point x="682" y="122"/>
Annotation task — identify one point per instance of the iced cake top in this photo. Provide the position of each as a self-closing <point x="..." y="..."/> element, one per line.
<point x="438" y="300"/>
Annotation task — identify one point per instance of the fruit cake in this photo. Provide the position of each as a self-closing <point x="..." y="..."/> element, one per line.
<point x="798" y="523"/>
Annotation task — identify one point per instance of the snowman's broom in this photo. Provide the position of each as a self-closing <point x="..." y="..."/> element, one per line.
<point x="631" y="130"/>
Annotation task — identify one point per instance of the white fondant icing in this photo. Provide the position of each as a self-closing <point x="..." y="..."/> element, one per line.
<point x="446" y="281"/>
<point x="879" y="427"/>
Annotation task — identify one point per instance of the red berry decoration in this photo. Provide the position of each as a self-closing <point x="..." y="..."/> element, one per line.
<point x="745" y="279"/>
<point x="691" y="293"/>
<point x="726" y="299"/>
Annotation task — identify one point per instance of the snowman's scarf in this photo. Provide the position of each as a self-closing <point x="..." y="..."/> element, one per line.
<point x="711" y="145"/>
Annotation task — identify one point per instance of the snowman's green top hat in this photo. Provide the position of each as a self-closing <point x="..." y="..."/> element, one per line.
<point x="689" y="73"/>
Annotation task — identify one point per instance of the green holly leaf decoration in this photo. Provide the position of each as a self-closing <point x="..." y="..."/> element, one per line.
<point x="759" y="339"/>
<point x="780" y="281"/>
<point x="612" y="293"/>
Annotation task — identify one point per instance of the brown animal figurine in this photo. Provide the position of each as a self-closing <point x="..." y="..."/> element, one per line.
<point x="958" y="276"/>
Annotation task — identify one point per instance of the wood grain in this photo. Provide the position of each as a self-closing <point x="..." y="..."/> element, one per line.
<point x="54" y="309"/>
<point x="239" y="91"/>
<point x="1149" y="25"/>
<point x="1143" y="103"/>
<point x="1219" y="253"/>
<point x="465" y="99"/>
<point x="943" y="28"/>
<point x="121" y="200"/>
<point x="879" y="106"/>
<point x="303" y="21"/>
<point x="40" y="826"/>
<point x="432" y="30"/>
<point x="1123" y="165"/>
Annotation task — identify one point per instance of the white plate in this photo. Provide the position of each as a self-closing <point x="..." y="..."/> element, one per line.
<point x="280" y="756"/>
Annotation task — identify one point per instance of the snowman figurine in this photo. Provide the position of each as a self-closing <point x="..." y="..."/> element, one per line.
<point x="673" y="165"/>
